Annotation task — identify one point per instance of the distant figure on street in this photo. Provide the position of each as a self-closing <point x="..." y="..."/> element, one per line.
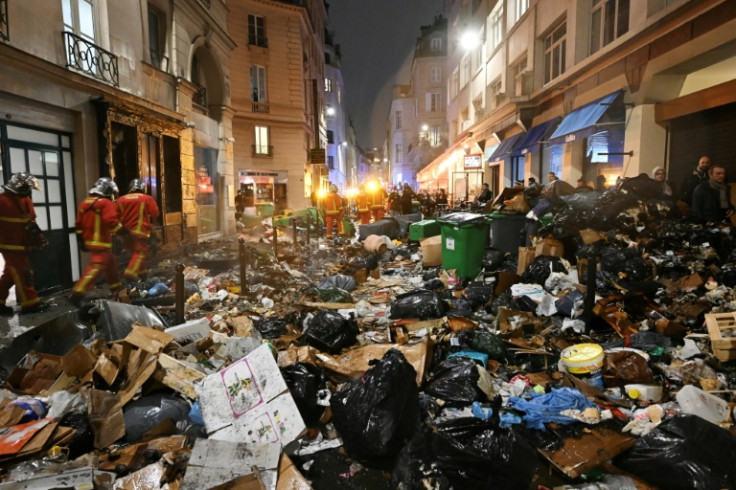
<point x="19" y="234"/>
<point x="660" y="177"/>
<point x="239" y="204"/>
<point x="333" y="212"/>
<point x="484" y="197"/>
<point x="712" y="198"/>
<point x="364" y="203"/>
<point x="136" y="210"/>
<point x="600" y="183"/>
<point x="377" y="196"/>
<point x="407" y="196"/>
<point x="97" y="220"/>
<point x="699" y="175"/>
<point x="582" y="186"/>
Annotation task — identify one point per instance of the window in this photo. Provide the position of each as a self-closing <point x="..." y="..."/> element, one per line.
<point x="435" y="44"/>
<point x="330" y="162"/>
<point x="398" y="153"/>
<point x="262" y="146"/>
<point x="435" y="135"/>
<point x="517" y="70"/>
<point x="328" y="85"/>
<point x="464" y="71"/>
<point x="434" y="102"/>
<point x="257" y="31"/>
<point x="496" y="26"/>
<point x="398" y="119"/>
<point x="79" y="18"/>
<point x="454" y="84"/>
<point x="609" y="20"/>
<point x="157" y="38"/>
<point x="654" y="6"/>
<point x="520" y="6"/>
<point x="258" y="83"/>
<point x="330" y="137"/>
<point x="554" y="53"/>
<point x="436" y="74"/>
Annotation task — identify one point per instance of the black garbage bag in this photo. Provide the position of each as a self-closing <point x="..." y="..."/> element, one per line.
<point x="377" y="414"/>
<point x="455" y="381"/>
<point x="627" y="263"/>
<point x="484" y="341"/>
<point x="329" y="331"/>
<point x="420" y="303"/>
<point x="570" y="303"/>
<point x="83" y="440"/>
<point x="540" y="269"/>
<point x="335" y="295"/>
<point x="434" y="284"/>
<point x="466" y="453"/>
<point x="493" y="259"/>
<point x="684" y="452"/>
<point x="341" y="281"/>
<point x="148" y="411"/>
<point x="271" y="327"/>
<point x="478" y="294"/>
<point x="305" y="381"/>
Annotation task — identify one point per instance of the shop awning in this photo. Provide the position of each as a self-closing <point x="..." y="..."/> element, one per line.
<point x="582" y="122"/>
<point x="505" y="147"/>
<point x="534" y="137"/>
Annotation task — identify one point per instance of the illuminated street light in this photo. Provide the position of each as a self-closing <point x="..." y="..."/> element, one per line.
<point x="330" y="111"/>
<point x="469" y="40"/>
<point x="425" y="127"/>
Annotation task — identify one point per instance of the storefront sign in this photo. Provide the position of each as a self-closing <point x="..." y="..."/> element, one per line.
<point x="473" y="161"/>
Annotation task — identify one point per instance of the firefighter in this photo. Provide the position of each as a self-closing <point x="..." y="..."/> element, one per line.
<point x="333" y="211"/>
<point x="136" y="210"/>
<point x="97" y="220"/>
<point x="364" y="203"/>
<point x="378" y="194"/>
<point x="19" y="234"/>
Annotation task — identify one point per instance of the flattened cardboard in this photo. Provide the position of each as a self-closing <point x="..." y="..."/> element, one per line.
<point x="147" y="477"/>
<point x="431" y="251"/>
<point x="190" y="331"/>
<point x="107" y="369"/>
<point x="132" y="455"/>
<point x="14" y="438"/>
<point x="10" y="414"/>
<point x="250" y="397"/>
<point x="78" y="362"/>
<point x="137" y="378"/>
<point x="214" y="463"/>
<point x="178" y="376"/>
<point x="526" y="257"/>
<point x="549" y="246"/>
<point x="35" y="374"/>
<point x="289" y="476"/>
<point x="148" y="339"/>
<point x="599" y="444"/>
<point x="105" y="417"/>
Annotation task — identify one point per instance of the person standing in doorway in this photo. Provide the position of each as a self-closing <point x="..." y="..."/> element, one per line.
<point x="712" y="198"/>
<point x="97" y="220"/>
<point x="699" y="175"/>
<point x="19" y="234"/>
<point x="136" y="210"/>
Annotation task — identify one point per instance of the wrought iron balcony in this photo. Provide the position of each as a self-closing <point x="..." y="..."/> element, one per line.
<point x="200" y="97"/>
<point x="262" y="150"/>
<point x="4" y="28"/>
<point x="259" y="107"/>
<point x="91" y="59"/>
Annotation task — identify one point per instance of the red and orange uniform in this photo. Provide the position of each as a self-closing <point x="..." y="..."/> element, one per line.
<point x="333" y="213"/>
<point x="16" y="213"/>
<point x="136" y="210"/>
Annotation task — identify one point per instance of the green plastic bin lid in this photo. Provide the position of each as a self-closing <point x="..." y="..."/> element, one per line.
<point x="460" y="219"/>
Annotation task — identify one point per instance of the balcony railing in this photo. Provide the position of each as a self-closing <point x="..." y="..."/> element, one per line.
<point x="91" y="59"/>
<point x="4" y="28"/>
<point x="159" y="60"/>
<point x="259" y="107"/>
<point x="200" y="97"/>
<point x="262" y="150"/>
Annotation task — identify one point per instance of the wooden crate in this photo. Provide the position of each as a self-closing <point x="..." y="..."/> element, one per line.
<point x="722" y="333"/>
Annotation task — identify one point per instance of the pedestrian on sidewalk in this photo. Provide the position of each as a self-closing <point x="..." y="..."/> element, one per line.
<point x="136" y="210"/>
<point x="97" y="220"/>
<point x="19" y="234"/>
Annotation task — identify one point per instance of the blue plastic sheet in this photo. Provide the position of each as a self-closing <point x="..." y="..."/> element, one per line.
<point x="541" y="409"/>
<point x="479" y="357"/>
<point x="481" y="412"/>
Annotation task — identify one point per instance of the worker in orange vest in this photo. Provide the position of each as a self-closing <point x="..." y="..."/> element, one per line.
<point x="364" y="203"/>
<point x="19" y="234"/>
<point x="136" y="210"/>
<point x="377" y="205"/>
<point x="333" y="211"/>
<point x="97" y="220"/>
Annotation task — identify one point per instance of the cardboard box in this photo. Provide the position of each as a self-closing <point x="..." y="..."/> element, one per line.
<point x="549" y="246"/>
<point x="432" y="250"/>
<point x="178" y="376"/>
<point x="526" y="257"/>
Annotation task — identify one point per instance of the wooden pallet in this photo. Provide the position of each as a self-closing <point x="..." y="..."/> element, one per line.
<point x="722" y="333"/>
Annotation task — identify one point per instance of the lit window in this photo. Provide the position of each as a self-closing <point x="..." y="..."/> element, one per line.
<point x="257" y="31"/>
<point x="520" y="6"/>
<point x="436" y="74"/>
<point x="257" y="83"/>
<point x="554" y="53"/>
<point x="435" y="135"/>
<point x="262" y="145"/>
<point x="496" y="26"/>
<point x="328" y="85"/>
<point x="434" y="102"/>
<point x="609" y="20"/>
<point x="435" y="44"/>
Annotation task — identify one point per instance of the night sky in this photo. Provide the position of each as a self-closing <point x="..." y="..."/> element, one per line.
<point x="377" y="39"/>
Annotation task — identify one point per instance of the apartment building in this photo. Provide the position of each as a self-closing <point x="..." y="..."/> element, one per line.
<point x="336" y="112"/>
<point x="417" y="124"/>
<point x="278" y="98"/>
<point x="124" y="88"/>
<point x="585" y="88"/>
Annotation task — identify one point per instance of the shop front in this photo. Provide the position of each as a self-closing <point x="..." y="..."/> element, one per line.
<point x="264" y="191"/>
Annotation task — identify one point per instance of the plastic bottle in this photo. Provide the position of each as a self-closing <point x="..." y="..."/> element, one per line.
<point x="647" y="393"/>
<point x="695" y="401"/>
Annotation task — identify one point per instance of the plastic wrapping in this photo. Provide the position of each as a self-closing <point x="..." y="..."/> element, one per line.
<point x="145" y="413"/>
<point x="335" y="295"/>
<point x="485" y="341"/>
<point x="455" y="381"/>
<point x="305" y="381"/>
<point x="539" y="270"/>
<point x="83" y="440"/>
<point x="420" y="303"/>
<point x="684" y="452"/>
<point x="478" y="294"/>
<point x="544" y="408"/>
<point x="466" y="453"/>
<point x="330" y="332"/>
<point x="341" y="281"/>
<point x="379" y="412"/>
<point x="271" y="327"/>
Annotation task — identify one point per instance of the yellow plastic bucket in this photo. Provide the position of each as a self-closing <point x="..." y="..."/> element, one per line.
<point x="583" y="358"/>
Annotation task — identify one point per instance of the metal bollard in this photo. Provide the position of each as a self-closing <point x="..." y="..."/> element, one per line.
<point x="309" y="226"/>
<point x="590" y="288"/>
<point x="275" y="242"/>
<point x="293" y="225"/>
<point x="241" y="257"/>
<point x="179" y="293"/>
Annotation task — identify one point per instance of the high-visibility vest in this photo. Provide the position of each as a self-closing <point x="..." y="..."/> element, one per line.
<point x="16" y="213"/>
<point x="136" y="211"/>
<point x="333" y="204"/>
<point x="97" y="220"/>
<point x="364" y="202"/>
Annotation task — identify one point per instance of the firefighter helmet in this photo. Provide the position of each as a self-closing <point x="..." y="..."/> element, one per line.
<point x="104" y="187"/>
<point x="333" y="188"/>
<point x="137" y="185"/>
<point x="22" y="184"/>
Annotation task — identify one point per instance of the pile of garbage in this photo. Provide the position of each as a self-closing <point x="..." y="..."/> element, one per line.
<point x="601" y="355"/>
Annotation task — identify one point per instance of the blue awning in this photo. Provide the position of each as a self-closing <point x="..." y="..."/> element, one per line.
<point x="581" y="122"/>
<point x="536" y="135"/>
<point x="505" y="147"/>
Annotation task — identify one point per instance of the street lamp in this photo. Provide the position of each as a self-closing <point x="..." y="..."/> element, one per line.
<point x="469" y="40"/>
